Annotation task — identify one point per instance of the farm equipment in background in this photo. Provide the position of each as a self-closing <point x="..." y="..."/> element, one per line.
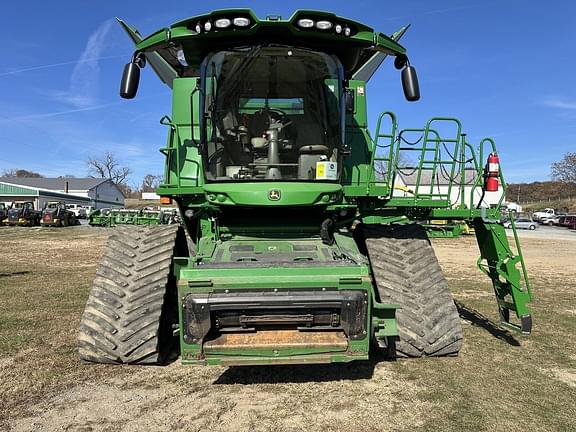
<point x="288" y="252"/>
<point x="22" y="213"/>
<point x="3" y="213"/>
<point x="55" y="213"/>
<point x="447" y="229"/>
<point x="110" y="217"/>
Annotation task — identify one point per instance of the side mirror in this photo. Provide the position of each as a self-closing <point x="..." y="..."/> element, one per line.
<point x="131" y="77"/>
<point x="410" y="83"/>
<point x="349" y="95"/>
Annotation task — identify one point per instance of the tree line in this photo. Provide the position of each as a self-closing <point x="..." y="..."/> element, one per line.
<point x="105" y="166"/>
<point x="562" y="186"/>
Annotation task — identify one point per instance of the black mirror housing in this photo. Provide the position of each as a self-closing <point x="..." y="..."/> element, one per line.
<point x="349" y="97"/>
<point x="130" y="81"/>
<point x="410" y="84"/>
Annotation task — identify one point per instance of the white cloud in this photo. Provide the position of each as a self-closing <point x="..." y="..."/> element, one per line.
<point x="67" y="63"/>
<point x="83" y="89"/>
<point x="450" y="9"/>
<point x="560" y="103"/>
<point x="57" y="113"/>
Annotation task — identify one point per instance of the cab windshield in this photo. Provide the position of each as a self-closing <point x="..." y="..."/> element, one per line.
<point x="271" y="113"/>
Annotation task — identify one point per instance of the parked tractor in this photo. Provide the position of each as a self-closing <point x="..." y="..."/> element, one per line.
<point x="22" y="213"/>
<point x="298" y="241"/>
<point x="3" y="213"/>
<point x="55" y="213"/>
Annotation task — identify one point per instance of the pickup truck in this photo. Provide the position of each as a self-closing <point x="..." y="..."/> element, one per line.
<point x="550" y="220"/>
<point x="546" y="213"/>
<point x="78" y="210"/>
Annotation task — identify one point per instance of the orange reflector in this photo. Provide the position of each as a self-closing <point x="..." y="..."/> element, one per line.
<point x="165" y="200"/>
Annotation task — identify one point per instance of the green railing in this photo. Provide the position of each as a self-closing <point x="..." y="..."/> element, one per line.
<point x="445" y="165"/>
<point x="174" y="150"/>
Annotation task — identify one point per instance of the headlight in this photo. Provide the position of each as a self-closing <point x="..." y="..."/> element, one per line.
<point x="323" y="25"/>
<point x="207" y="26"/>
<point x="241" y="22"/>
<point x="305" y="23"/>
<point x="338" y="28"/>
<point x="347" y="31"/>
<point x="198" y="28"/>
<point x="222" y="23"/>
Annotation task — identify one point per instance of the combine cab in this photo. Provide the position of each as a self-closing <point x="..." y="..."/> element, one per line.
<point x="299" y="241"/>
<point x="56" y="214"/>
<point x="22" y="213"/>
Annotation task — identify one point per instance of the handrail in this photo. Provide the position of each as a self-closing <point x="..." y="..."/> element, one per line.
<point x="456" y="142"/>
<point x="174" y="145"/>
<point x="375" y="146"/>
<point x="399" y="148"/>
<point x="520" y="256"/>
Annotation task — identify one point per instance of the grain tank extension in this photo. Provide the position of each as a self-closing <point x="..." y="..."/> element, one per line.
<point x="300" y="240"/>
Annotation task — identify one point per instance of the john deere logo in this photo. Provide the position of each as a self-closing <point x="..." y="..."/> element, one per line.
<point x="274" y="195"/>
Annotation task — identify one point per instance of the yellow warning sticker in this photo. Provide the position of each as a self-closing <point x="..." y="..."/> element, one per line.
<point x="326" y="170"/>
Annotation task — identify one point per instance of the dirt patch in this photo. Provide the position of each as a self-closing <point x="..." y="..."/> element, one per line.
<point x="544" y="258"/>
<point x="239" y="399"/>
<point x="567" y="376"/>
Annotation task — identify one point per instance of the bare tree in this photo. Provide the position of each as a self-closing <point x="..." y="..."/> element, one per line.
<point x="151" y="182"/>
<point x="20" y="173"/>
<point x="565" y="170"/>
<point x="108" y="167"/>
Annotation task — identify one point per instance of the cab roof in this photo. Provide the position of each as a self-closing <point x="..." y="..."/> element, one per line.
<point x="183" y="46"/>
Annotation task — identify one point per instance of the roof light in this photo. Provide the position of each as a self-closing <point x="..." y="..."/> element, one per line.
<point x="207" y="26"/>
<point x="323" y="25"/>
<point x="222" y="23"/>
<point x="241" y="22"/>
<point x="198" y="28"/>
<point x="347" y="31"/>
<point x="338" y="28"/>
<point x="305" y="23"/>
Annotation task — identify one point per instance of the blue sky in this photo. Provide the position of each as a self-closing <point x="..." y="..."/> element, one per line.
<point x="505" y="68"/>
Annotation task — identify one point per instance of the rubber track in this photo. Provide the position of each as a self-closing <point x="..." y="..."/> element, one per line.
<point x="124" y="318"/>
<point x="407" y="272"/>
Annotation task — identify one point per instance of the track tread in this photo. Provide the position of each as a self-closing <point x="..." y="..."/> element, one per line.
<point x="124" y="318"/>
<point x="407" y="272"/>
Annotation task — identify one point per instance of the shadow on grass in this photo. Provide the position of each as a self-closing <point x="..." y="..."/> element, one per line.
<point x="284" y="374"/>
<point x="18" y="273"/>
<point x="477" y="319"/>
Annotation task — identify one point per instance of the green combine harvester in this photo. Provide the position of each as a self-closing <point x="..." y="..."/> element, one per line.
<point x="294" y="246"/>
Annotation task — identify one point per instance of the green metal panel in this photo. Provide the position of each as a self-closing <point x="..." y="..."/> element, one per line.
<point x="14" y="190"/>
<point x="273" y="193"/>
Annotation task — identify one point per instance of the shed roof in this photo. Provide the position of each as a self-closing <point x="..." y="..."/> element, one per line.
<point x="58" y="183"/>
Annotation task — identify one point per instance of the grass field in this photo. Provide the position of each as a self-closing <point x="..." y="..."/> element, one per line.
<point x="500" y="381"/>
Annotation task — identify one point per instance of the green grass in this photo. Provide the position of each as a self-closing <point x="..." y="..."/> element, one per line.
<point x="494" y="385"/>
<point x="501" y="381"/>
<point x="45" y="277"/>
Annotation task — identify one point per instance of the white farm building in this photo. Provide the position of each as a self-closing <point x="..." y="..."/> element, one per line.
<point x="95" y="192"/>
